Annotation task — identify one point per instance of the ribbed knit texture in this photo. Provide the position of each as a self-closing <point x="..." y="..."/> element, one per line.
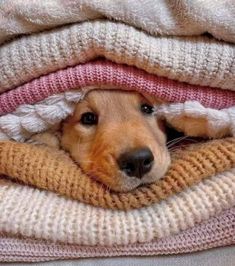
<point x="55" y="171"/>
<point x="196" y="60"/>
<point x="104" y="74"/>
<point x="157" y="17"/>
<point x="34" y="213"/>
<point x="217" y="231"/>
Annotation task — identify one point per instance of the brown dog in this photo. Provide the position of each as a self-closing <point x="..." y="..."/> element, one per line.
<point x="115" y="138"/>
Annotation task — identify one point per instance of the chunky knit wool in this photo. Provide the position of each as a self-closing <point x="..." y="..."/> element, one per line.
<point x="217" y="121"/>
<point x="180" y="17"/>
<point x="103" y="73"/>
<point x="196" y="60"/>
<point x="55" y="171"/>
<point x="217" y="231"/>
<point x="30" y="119"/>
<point x="34" y="213"/>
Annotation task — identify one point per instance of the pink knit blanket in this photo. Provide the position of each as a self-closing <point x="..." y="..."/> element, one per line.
<point x="106" y="73"/>
<point x="217" y="231"/>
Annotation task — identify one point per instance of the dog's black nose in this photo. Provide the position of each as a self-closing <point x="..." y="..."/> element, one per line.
<point x="136" y="162"/>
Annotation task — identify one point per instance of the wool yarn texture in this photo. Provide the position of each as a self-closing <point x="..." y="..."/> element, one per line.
<point x="106" y="74"/>
<point x="215" y="232"/>
<point x="40" y="214"/>
<point x="52" y="53"/>
<point x="29" y="119"/>
<point x="180" y="17"/>
<point x="55" y="171"/>
<point x="196" y="60"/>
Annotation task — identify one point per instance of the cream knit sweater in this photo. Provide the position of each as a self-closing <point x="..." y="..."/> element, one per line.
<point x="181" y="17"/>
<point x="34" y="213"/>
<point x="196" y="60"/>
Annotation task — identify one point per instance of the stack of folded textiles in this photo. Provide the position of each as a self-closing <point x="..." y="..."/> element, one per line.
<point x="51" y="55"/>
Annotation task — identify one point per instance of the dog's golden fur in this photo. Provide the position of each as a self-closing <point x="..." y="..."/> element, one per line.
<point x="121" y="127"/>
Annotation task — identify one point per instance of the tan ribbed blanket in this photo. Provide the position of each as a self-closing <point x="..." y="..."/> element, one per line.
<point x="53" y="170"/>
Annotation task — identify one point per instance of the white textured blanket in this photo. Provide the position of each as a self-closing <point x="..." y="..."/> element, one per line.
<point x="158" y="17"/>
<point x="195" y="60"/>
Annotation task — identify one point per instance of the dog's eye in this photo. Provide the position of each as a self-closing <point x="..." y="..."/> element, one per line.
<point x="89" y="119"/>
<point x="147" y="109"/>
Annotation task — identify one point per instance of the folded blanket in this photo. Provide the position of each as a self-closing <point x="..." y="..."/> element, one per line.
<point x="157" y="17"/>
<point x="196" y="60"/>
<point x="41" y="80"/>
<point x="55" y="171"/>
<point x="217" y="231"/>
<point x="34" y="213"/>
<point x="106" y="74"/>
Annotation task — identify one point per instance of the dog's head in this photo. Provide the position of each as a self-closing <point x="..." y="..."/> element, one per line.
<point x="115" y="138"/>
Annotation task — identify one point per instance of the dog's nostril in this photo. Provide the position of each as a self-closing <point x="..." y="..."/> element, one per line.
<point x="136" y="162"/>
<point x="147" y="162"/>
<point x="128" y="168"/>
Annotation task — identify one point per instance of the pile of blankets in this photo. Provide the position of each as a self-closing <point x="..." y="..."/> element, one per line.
<point x="51" y="54"/>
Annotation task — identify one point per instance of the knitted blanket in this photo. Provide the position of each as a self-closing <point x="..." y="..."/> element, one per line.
<point x="28" y="115"/>
<point x="156" y="17"/>
<point x="40" y="214"/>
<point x="217" y="231"/>
<point x="195" y="60"/>
<point x="54" y="171"/>
<point x="48" y="206"/>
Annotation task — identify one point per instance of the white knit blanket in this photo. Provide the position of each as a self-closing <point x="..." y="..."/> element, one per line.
<point x="31" y="119"/>
<point x="181" y="17"/>
<point x="195" y="60"/>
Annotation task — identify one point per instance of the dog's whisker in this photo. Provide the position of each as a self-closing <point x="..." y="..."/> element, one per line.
<point x="177" y="139"/>
<point x="172" y="143"/>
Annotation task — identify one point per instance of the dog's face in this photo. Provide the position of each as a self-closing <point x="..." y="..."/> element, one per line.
<point x="115" y="138"/>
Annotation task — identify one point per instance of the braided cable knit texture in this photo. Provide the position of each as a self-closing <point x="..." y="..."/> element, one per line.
<point x="195" y="60"/>
<point x="30" y="119"/>
<point x="55" y="171"/>
<point x="105" y="73"/>
<point x="217" y="231"/>
<point x="217" y="120"/>
<point x="41" y="214"/>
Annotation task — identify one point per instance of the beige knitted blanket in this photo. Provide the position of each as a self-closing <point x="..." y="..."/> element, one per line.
<point x="162" y="17"/>
<point x="196" y="60"/>
<point x="41" y="214"/>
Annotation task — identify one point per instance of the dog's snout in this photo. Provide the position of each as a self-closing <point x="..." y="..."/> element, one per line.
<point x="136" y="162"/>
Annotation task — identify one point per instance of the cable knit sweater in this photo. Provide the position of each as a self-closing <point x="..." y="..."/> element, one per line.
<point x="217" y="231"/>
<point x="179" y="17"/>
<point x="31" y="119"/>
<point x="196" y="60"/>
<point x="34" y="213"/>
<point x="55" y="171"/>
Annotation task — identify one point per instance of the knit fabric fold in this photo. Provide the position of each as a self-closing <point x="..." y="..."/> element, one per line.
<point x="104" y="73"/>
<point x="29" y="119"/>
<point x="196" y="60"/>
<point x="217" y="231"/>
<point x="52" y="53"/>
<point x="33" y="213"/>
<point x="156" y="17"/>
<point x="55" y="171"/>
